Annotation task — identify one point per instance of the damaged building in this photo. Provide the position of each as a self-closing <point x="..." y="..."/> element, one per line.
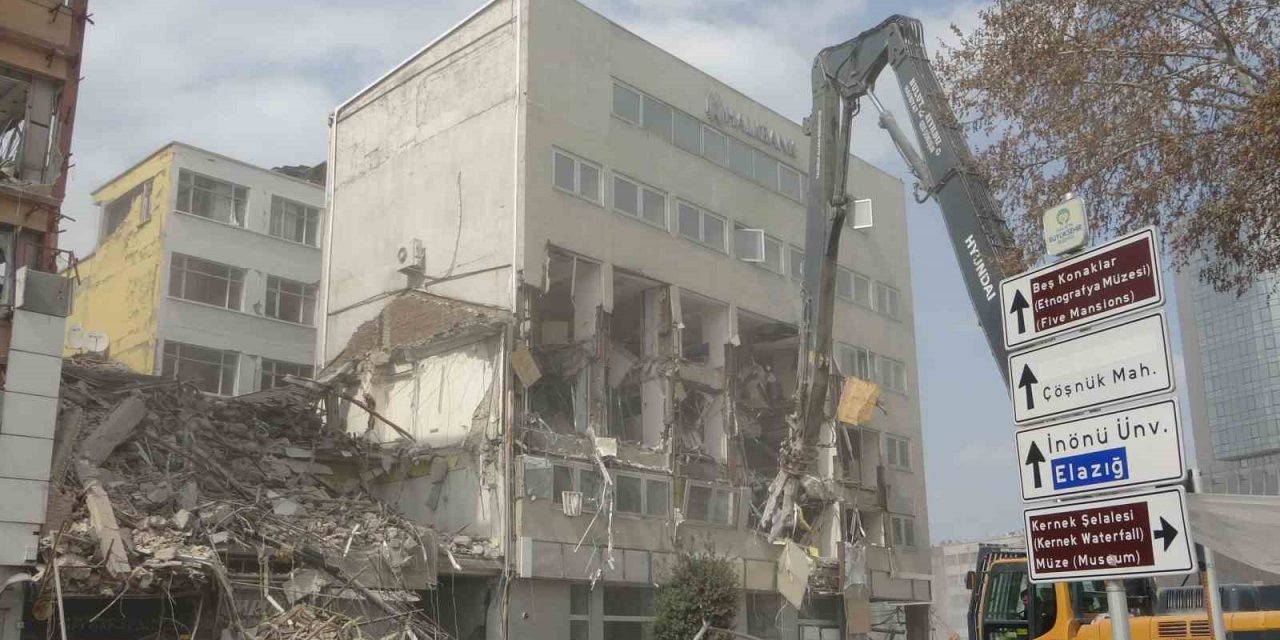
<point x="567" y="264"/>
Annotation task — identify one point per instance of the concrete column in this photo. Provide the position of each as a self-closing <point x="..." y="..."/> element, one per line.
<point x="653" y="388"/>
<point x="716" y="330"/>
<point x="30" y="411"/>
<point x="588" y="296"/>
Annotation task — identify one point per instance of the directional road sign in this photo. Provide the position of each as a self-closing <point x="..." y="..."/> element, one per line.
<point x="1137" y="535"/>
<point x="1131" y="447"/>
<point x="1121" y="362"/>
<point x="1115" y="278"/>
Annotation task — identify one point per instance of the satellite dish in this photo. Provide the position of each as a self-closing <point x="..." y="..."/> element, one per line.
<point x="96" y="341"/>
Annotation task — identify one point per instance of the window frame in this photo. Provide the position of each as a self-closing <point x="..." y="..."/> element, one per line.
<point x="792" y="252"/>
<point x="182" y="259"/>
<point x="304" y="371"/>
<point x="716" y="489"/>
<point x="646" y="620"/>
<point x="639" y="103"/>
<point x="868" y="355"/>
<point x="703" y="214"/>
<point x="897" y="444"/>
<point x="888" y="372"/>
<point x="578" y="162"/>
<point x="177" y="357"/>
<point x="641" y="188"/>
<point x="310" y="221"/>
<point x="907" y="528"/>
<point x="239" y="196"/>
<point x="306" y="306"/>
<point x="896" y="311"/>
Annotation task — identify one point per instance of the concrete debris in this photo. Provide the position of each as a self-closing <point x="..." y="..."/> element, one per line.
<point x="185" y="492"/>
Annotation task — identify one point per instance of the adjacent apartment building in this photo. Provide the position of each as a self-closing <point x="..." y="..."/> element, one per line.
<point x="1231" y="351"/>
<point x="568" y="263"/>
<point x="952" y="561"/>
<point x="206" y="269"/>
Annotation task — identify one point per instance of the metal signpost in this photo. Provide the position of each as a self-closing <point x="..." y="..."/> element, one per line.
<point x="1134" y="447"/>
<point x="1082" y="468"/>
<point x="1116" y="278"/>
<point x="1121" y="362"/>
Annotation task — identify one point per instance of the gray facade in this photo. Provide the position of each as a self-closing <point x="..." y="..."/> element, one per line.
<point x="1231" y="352"/>
<point x="639" y="222"/>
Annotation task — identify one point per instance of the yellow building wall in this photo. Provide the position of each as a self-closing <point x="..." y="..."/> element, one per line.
<point x="119" y="283"/>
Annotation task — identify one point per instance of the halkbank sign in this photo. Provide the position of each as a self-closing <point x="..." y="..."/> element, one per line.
<point x="720" y="114"/>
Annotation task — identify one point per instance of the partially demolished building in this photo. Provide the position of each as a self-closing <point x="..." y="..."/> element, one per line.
<point x="568" y="264"/>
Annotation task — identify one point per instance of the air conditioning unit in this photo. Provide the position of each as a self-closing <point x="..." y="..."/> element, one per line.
<point x="411" y="258"/>
<point x="572" y="503"/>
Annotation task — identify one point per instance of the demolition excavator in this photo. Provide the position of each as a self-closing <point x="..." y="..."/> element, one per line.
<point x="1005" y="605"/>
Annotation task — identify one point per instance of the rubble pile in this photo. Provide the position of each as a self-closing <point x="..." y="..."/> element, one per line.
<point x="175" y="490"/>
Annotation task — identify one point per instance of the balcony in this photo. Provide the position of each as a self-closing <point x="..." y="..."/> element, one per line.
<point x="30" y="161"/>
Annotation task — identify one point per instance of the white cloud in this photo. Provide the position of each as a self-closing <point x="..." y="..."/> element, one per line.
<point x="255" y="81"/>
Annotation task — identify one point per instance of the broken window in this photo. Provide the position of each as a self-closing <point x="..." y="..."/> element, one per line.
<point x="657" y="497"/>
<point x="537" y="478"/>
<point x="561" y="481"/>
<point x="709" y="503"/>
<point x="207" y="282"/>
<point x="115" y="212"/>
<point x="7" y="267"/>
<point x="763" y="615"/>
<point x="590" y="484"/>
<point x="211" y="198"/>
<point x="630" y="498"/>
<point x="294" y="221"/>
<point x="274" y="371"/>
<point x="210" y="370"/>
<point x="291" y="301"/>
<point x="861" y="216"/>
<point x="28" y="120"/>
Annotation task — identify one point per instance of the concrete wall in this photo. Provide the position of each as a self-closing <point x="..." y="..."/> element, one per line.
<point x="427" y="153"/>
<point x="572" y="112"/>
<point x="119" y="284"/>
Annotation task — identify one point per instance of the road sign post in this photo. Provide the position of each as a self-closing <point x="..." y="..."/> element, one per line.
<point x="1122" y="362"/>
<point x="1129" y="536"/>
<point x="1133" y="447"/>
<point x="1117" y="278"/>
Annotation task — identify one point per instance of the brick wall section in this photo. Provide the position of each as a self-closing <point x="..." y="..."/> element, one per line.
<point x="415" y="318"/>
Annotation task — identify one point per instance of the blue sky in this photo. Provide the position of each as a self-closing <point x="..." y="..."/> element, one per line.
<point x="256" y="81"/>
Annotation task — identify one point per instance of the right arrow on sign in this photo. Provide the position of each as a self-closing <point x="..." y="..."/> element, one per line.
<point x="1166" y="532"/>
<point x="1019" y="305"/>
<point x="1034" y="458"/>
<point x="1025" y="381"/>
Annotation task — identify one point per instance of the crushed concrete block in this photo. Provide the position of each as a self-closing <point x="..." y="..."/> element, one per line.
<point x="285" y="507"/>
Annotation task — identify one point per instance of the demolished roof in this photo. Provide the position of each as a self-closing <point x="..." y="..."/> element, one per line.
<point x="182" y="491"/>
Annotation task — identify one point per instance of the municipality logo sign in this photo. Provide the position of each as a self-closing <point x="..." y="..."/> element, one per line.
<point x="1064" y="227"/>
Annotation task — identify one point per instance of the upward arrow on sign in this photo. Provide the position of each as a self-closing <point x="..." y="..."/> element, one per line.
<point x="1025" y="381"/>
<point x="1035" y="457"/>
<point x="1019" y="305"/>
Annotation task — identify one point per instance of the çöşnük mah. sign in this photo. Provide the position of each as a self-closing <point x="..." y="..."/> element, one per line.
<point x="721" y="114"/>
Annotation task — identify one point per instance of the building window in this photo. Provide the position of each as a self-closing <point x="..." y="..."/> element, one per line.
<point x="294" y="221"/>
<point x="656" y="118"/>
<point x="204" y="281"/>
<point x="291" y="301"/>
<point x="893" y="374"/>
<point x="766" y="171"/>
<point x="274" y="371"/>
<point x="795" y="256"/>
<point x="709" y="503"/>
<point x="700" y="226"/>
<point x="715" y="146"/>
<point x="852" y="286"/>
<point x="903" y="531"/>
<point x="576" y="175"/>
<point x="789" y="182"/>
<point x="639" y="201"/>
<point x="888" y="300"/>
<point x="687" y="133"/>
<point x="579" y="611"/>
<point x="210" y="198"/>
<point x="210" y="370"/>
<point x="740" y="159"/>
<point x="115" y="212"/>
<point x="763" y="619"/>
<point x="626" y="104"/>
<point x="855" y="361"/>
<point x="897" y="452"/>
<point x="628" y="612"/>
<point x="754" y="245"/>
